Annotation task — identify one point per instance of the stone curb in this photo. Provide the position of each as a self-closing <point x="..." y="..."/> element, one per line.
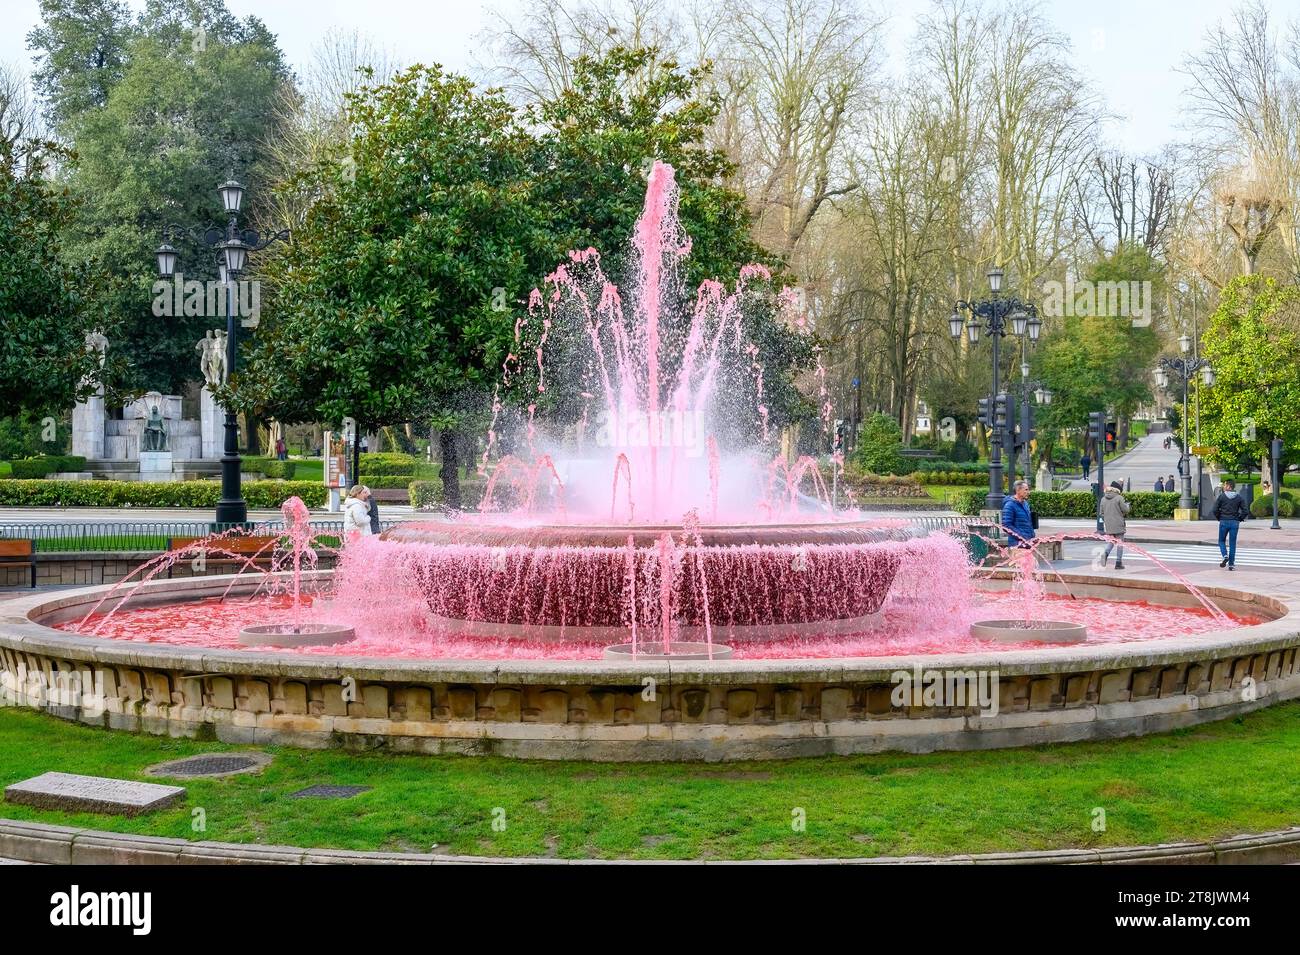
<point x="66" y="845"/>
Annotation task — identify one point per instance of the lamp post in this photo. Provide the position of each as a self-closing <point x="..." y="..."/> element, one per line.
<point x="993" y="315"/>
<point x="1042" y="395"/>
<point x="233" y="245"/>
<point x="1184" y="370"/>
<point x="1275" y="452"/>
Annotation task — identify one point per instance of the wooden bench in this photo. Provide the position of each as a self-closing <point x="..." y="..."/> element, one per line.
<point x="232" y="547"/>
<point x="19" y="552"/>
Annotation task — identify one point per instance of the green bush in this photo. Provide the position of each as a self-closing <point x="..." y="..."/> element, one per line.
<point x="1262" y="506"/>
<point x="33" y="468"/>
<point x="426" y="493"/>
<point x="386" y="463"/>
<point x="959" y="478"/>
<point x="45" y="493"/>
<point x="270" y="467"/>
<point x="375" y="481"/>
<point x="1146" y="505"/>
<point x="879" y="446"/>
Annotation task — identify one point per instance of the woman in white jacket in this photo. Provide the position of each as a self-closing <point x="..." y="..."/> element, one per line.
<point x="356" y="512"/>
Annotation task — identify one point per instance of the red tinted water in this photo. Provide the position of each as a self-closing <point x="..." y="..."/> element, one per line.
<point x="907" y="627"/>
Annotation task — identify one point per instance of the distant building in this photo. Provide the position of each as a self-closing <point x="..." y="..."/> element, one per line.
<point x="923" y="425"/>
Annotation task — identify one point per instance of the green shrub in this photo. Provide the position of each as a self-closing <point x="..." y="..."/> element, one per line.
<point x="33" y="468"/>
<point x="386" y="463"/>
<point x="1262" y="506"/>
<point x="426" y="494"/>
<point x="879" y="446"/>
<point x="270" y="467"/>
<point x="45" y="493"/>
<point x="376" y="481"/>
<point x="969" y="502"/>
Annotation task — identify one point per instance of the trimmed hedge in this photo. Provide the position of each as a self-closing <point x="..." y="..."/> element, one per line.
<point x="383" y="481"/>
<point x="34" y="468"/>
<point x="1147" y="505"/>
<point x="957" y="478"/>
<point x="271" y="467"/>
<point x="258" y="494"/>
<point x="966" y="467"/>
<point x="428" y="494"/>
<point x="387" y="463"/>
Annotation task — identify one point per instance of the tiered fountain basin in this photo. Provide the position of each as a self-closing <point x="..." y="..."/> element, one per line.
<point x="563" y="582"/>
<point x="624" y="710"/>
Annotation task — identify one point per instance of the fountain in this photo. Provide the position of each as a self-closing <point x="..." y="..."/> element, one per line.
<point x="645" y="578"/>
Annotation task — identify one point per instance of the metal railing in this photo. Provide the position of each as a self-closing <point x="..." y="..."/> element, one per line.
<point x="140" y="535"/>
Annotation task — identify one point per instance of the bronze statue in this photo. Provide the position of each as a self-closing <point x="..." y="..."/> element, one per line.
<point x="155" y="435"/>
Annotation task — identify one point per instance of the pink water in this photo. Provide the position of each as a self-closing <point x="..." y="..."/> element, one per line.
<point x="907" y="628"/>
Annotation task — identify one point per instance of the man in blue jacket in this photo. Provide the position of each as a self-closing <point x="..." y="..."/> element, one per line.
<point x="1016" y="516"/>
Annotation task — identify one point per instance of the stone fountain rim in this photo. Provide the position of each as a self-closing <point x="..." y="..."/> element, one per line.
<point x="21" y="631"/>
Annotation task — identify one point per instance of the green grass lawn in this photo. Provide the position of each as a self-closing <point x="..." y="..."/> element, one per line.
<point x="944" y="493"/>
<point x="1237" y="776"/>
<point x="6" y="470"/>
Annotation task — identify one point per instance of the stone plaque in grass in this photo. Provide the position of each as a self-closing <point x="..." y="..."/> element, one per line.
<point x="329" y="792"/>
<point x="92" y="794"/>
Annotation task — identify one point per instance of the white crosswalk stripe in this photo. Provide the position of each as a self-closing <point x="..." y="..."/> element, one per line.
<point x="1196" y="554"/>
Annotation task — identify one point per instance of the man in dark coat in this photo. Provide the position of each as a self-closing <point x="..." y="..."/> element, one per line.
<point x="1230" y="509"/>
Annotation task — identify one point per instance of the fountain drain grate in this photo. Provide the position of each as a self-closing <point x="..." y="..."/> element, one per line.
<point x="218" y="765"/>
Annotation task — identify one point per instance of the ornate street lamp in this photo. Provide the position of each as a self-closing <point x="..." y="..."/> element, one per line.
<point x="233" y="245"/>
<point x="993" y="316"/>
<point x="1183" y="370"/>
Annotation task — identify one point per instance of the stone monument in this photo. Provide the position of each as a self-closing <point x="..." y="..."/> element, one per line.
<point x="212" y="363"/>
<point x="88" y="415"/>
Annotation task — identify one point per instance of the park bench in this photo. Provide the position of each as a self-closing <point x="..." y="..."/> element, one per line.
<point x="233" y="546"/>
<point x="19" y="553"/>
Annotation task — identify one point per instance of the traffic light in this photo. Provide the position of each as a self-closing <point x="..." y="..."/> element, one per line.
<point x="1111" y="429"/>
<point x="984" y="413"/>
<point x="1097" y="426"/>
<point x="839" y="435"/>
<point x="1000" y="411"/>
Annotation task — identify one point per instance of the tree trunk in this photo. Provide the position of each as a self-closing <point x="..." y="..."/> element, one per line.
<point x="450" y="468"/>
<point x="253" y="435"/>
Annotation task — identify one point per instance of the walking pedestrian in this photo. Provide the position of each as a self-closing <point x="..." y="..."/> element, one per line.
<point x="1085" y="462"/>
<point x="1169" y="484"/>
<point x="281" y="450"/>
<point x="1229" y="510"/>
<point x="1114" y="514"/>
<point x="1160" y="485"/>
<point x="356" y="513"/>
<point x="1017" y="518"/>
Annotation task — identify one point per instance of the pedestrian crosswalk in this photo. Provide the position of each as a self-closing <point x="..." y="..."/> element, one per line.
<point x="1197" y="554"/>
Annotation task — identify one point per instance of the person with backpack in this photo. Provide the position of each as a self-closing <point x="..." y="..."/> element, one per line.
<point x="1230" y="509"/>
<point x="1114" y="517"/>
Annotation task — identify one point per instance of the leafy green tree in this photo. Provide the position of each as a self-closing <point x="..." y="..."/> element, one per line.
<point x="80" y="49"/>
<point x="1253" y="344"/>
<point x="1103" y="360"/>
<point x="47" y="306"/>
<point x="386" y="304"/>
<point x="880" y="444"/>
<point x="187" y="105"/>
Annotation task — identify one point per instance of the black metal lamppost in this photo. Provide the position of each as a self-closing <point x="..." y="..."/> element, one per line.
<point x="1184" y="370"/>
<point x="233" y="245"/>
<point x="1026" y="388"/>
<point x="993" y="315"/>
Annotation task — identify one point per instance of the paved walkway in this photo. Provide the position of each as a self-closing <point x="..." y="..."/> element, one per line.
<point x="1141" y="464"/>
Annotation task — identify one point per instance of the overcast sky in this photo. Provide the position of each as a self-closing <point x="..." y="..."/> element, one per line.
<point x="1129" y="47"/>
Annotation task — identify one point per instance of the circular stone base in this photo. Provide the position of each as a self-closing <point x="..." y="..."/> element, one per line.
<point x="1020" y="631"/>
<point x="679" y="651"/>
<point x="287" y="635"/>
